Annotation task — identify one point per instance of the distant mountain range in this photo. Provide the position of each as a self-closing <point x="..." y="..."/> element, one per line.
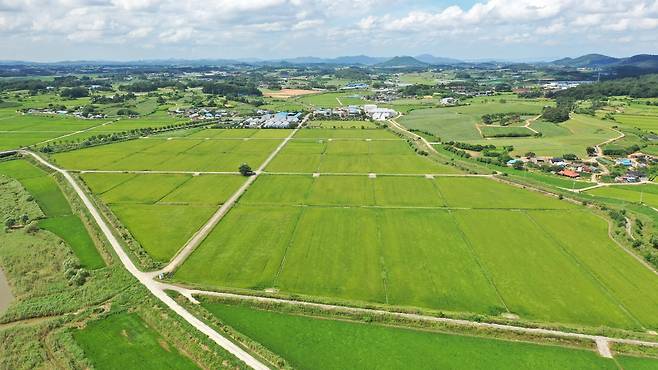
<point x="604" y="61"/>
<point x="402" y="62"/>
<point x="638" y="64"/>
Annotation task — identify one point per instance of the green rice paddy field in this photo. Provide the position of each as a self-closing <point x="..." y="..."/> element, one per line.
<point x="162" y="211"/>
<point x="352" y="151"/>
<point x="473" y="244"/>
<point x="191" y="153"/>
<point x="648" y="194"/>
<point x="60" y="219"/>
<point x="125" y="341"/>
<point x="342" y="124"/>
<point x="313" y="343"/>
<point x="17" y="130"/>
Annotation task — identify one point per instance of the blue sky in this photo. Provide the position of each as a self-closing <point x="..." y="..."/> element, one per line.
<point x="48" y="30"/>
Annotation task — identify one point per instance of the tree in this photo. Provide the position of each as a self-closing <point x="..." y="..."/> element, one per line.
<point x="591" y="151"/>
<point x="570" y="157"/>
<point x="245" y="170"/>
<point x="74" y="92"/>
<point x="10" y="222"/>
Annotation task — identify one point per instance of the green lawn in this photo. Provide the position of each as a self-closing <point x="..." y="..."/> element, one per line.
<point x="311" y="343"/>
<point x="124" y="341"/>
<point x="162" y="211"/>
<point x="60" y="219"/>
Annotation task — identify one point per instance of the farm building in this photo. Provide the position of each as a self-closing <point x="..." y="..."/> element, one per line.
<point x="378" y="114"/>
<point x="569" y="173"/>
<point x="278" y="120"/>
<point x="449" y="101"/>
<point x="625" y="162"/>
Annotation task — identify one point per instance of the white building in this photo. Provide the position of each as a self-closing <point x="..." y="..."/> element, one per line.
<point x="378" y="114"/>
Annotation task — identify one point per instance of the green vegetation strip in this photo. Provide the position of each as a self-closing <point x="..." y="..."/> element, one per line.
<point x="123" y="341"/>
<point x="60" y="219"/>
<point x="313" y="343"/>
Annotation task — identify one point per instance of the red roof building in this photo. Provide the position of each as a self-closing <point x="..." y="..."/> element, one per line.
<point x="569" y="173"/>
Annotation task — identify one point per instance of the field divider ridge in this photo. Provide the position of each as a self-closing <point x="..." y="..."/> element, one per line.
<point x="598" y="340"/>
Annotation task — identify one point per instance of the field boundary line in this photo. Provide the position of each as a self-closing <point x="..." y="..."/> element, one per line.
<point x="163" y="172"/>
<point x="201" y="234"/>
<point x="380" y="247"/>
<point x="282" y="264"/>
<point x="76" y="132"/>
<point x="292" y="235"/>
<point x="190" y="293"/>
<point x="638" y="258"/>
<point x="146" y="280"/>
<point x="485" y="271"/>
<point x="587" y="270"/>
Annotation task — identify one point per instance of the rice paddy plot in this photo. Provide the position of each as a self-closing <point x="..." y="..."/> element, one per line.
<point x="162" y="229"/>
<point x="354" y="156"/>
<point x="215" y="133"/>
<point x="356" y="191"/>
<point x="534" y="272"/>
<point x="353" y="124"/>
<point x="169" y="155"/>
<point x="162" y="211"/>
<point x="319" y="343"/>
<point x="622" y="275"/>
<point x="647" y="194"/>
<point x="328" y="133"/>
<point x="71" y="229"/>
<point x="244" y="250"/>
<point x="123" y="340"/>
<point x="60" y="219"/>
<point x="17" y="140"/>
<point x="355" y="238"/>
<point x="473" y="192"/>
<point x="643" y="122"/>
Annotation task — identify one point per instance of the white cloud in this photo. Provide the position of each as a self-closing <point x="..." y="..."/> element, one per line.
<point x="262" y="27"/>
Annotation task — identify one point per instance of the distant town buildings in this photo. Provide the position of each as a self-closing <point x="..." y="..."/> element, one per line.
<point x="342" y="112"/>
<point x="378" y="114"/>
<point x="273" y="120"/>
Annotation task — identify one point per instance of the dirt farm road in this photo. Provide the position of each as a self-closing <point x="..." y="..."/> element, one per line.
<point x="146" y="278"/>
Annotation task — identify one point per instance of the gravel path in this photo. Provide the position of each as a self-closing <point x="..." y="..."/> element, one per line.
<point x="145" y="279"/>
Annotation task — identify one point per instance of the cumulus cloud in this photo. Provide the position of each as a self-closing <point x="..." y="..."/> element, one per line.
<point x="263" y="27"/>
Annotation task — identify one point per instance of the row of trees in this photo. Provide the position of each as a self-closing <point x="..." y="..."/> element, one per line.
<point x="560" y="113"/>
<point x="636" y="87"/>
